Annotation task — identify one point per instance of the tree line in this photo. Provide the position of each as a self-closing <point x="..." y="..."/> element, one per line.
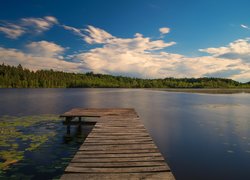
<point x="19" y="77"/>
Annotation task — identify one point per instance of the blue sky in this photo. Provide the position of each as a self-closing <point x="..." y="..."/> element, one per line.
<point x="142" y="38"/>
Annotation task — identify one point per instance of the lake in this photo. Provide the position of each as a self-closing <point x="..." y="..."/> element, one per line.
<point x="201" y="136"/>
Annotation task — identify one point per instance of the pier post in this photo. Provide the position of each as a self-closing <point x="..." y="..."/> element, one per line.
<point x="68" y="129"/>
<point x="68" y="124"/>
<point x="79" y="127"/>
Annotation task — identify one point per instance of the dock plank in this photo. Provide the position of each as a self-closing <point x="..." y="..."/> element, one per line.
<point x="71" y="169"/>
<point x="101" y="138"/>
<point x="117" y="159"/>
<point x="112" y="176"/>
<point x="120" y="164"/>
<point x="83" y="155"/>
<point x="118" y="147"/>
<point x="128" y="151"/>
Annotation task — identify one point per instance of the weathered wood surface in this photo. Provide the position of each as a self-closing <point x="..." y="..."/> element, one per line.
<point x="117" y="176"/>
<point x="97" y="112"/>
<point x="118" y="147"/>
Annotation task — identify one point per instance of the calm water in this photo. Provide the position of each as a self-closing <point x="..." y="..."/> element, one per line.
<point x="202" y="136"/>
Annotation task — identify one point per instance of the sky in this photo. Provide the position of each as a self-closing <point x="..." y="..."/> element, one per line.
<point x="136" y="38"/>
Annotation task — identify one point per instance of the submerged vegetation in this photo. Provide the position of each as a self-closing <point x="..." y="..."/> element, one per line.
<point x="19" y="77"/>
<point x="36" y="146"/>
<point x="15" y="141"/>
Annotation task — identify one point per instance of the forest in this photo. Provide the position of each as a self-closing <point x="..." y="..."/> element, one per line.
<point x="19" y="77"/>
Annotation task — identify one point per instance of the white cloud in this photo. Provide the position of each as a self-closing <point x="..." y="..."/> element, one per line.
<point x="42" y="60"/>
<point x="27" y="25"/>
<point x="245" y="26"/>
<point x="39" y="24"/>
<point x="12" y="31"/>
<point x="138" y="57"/>
<point x="240" y="46"/>
<point x="132" y="56"/>
<point x="97" y="36"/>
<point x="139" y="43"/>
<point x="239" y="49"/>
<point x="138" y="35"/>
<point x="243" y="76"/>
<point x="154" y="65"/>
<point x="91" y="34"/>
<point x="51" y="19"/>
<point x="45" y="49"/>
<point x="164" y="30"/>
<point x="76" y="31"/>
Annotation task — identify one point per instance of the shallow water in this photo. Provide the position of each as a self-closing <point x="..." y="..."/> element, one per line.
<point x="202" y="136"/>
<point x="36" y="147"/>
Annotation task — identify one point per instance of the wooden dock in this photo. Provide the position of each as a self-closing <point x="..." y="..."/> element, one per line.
<point x="118" y="147"/>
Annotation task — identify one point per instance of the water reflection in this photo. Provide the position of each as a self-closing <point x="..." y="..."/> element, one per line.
<point x="81" y="129"/>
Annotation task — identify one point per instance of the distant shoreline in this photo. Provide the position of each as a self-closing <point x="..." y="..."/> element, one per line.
<point x="206" y="90"/>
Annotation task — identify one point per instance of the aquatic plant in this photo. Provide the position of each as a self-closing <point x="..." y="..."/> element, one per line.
<point x="17" y="136"/>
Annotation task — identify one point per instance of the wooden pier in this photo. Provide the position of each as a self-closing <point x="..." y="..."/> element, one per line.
<point x="118" y="147"/>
